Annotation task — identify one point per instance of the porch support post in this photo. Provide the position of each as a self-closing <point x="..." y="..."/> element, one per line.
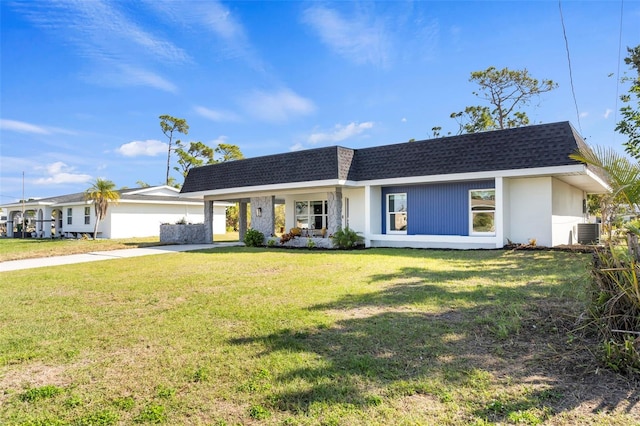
<point x="263" y="214"/>
<point x="334" y="211"/>
<point x="46" y="222"/>
<point x="208" y="221"/>
<point x="242" y="219"/>
<point x="10" y="217"/>
<point x="499" y="219"/>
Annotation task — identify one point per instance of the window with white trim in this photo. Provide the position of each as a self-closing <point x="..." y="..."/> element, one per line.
<point x="69" y="216"/>
<point x="397" y="213"/>
<point x="87" y="215"/>
<point x="482" y="212"/>
<point x="311" y="214"/>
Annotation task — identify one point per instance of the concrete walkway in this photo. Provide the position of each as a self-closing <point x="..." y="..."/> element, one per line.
<point x="14" y="265"/>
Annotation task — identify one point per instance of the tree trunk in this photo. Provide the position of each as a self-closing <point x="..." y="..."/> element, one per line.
<point x="95" y="227"/>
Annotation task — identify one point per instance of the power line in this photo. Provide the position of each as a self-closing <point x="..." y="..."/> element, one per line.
<point x="615" y="112"/>
<point x="566" y="44"/>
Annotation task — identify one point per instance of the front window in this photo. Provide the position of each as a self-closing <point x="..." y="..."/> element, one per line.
<point x="482" y="204"/>
<point x="311" y="214"/>
<point x="397" y="213"/>
<point x="69" y="216"/>
<point x="87" y="215"/>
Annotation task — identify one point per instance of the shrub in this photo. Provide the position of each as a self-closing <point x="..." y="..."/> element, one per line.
<point x="615" y="308"/>
<point x="254" y="238"/>
<point x="346" y="238"/>
<point x="287" y="237"/>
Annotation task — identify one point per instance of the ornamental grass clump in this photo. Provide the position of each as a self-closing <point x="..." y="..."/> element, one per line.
<point x="347" y="238"/>
<point x="615" y="305"/>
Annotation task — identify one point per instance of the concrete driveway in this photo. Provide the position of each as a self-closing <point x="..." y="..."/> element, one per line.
<point x="14" y="265"/>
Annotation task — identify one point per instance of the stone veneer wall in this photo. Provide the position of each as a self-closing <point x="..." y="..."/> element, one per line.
<point x="334" y="210"/>
<point x="183" y="234"/>
<point x="264" y="223"/>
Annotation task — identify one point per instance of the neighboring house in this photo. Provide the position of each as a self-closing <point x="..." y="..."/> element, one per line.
<point x="138" y="213"/>
<point x="477" y="190"/>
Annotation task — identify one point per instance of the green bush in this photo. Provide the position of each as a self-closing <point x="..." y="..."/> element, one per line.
<point x="615" y="308"/>
<point x="346" y="238"/>
<point x="253" y="238"/>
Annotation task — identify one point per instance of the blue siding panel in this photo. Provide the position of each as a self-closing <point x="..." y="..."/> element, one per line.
<point x="436" y="209"/>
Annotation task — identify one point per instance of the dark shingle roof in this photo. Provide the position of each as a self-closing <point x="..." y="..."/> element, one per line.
<point x="542" y="145"/>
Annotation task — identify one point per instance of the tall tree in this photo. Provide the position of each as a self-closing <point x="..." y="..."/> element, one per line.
<point x="169" y="125"/>
<point x="198" y="154"/>
<point x="507" y="92"/>
<point x="630" y="123"/>
<point x="622" y="173"/>
<point x="228" y="152"/>
<point x="101" y="192"/>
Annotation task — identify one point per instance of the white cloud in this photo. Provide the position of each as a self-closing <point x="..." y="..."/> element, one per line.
<point x="607" y="113"/>
<point x="339" y="133"/>
<point x="59" y="173"/>
<point x="213" y="17"/>
<point x="220" y="139"/>
<point x="297" y="147"/>
<point x="101" y="32"/>
<point x="148" y="148"/>
<point x="22" y="127"/>
<point x="404" y="119"/>
<point x="216" y="115"/>
<point x="277" y="106"/>
<point x="361" y="39"/>
<point x="135" y="76"/>
<point x="584" y="114"/>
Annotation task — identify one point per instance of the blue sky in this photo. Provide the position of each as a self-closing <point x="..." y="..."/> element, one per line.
<point x="83" y="82"/>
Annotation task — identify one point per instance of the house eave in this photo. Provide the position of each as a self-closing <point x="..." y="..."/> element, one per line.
<point x="276" y="188"/>
<point x="588" y="180"/>
<point x="577" y="175"/>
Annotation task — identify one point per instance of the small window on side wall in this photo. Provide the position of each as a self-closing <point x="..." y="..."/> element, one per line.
<point x="482" y="205"/>
<point x="69" y="216"/>
<point x="397" y="213"/>
<point x="87" y="215"/>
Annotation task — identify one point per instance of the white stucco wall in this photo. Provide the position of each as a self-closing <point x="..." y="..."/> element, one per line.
<point x="77" y="220"/>
<point x="129" y="220"/>
<point x="529" y="208"/>
<point x="567" y="212"/>
<point x="356" y="208"/>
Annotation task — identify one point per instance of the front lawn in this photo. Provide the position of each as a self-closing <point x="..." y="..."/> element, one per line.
<point x="269" y="336"/>
<point x="29" y="248"/>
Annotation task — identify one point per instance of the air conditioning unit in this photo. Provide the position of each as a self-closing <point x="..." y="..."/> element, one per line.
<point x="588" y="233"/>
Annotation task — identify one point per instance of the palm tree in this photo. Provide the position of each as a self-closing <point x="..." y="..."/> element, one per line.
<point x="622" y="174"/>
<point x="101" y="193"/>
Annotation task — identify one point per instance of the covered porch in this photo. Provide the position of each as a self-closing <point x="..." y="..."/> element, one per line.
<point x="316" y="212"/>
<point x="34" y="221"/>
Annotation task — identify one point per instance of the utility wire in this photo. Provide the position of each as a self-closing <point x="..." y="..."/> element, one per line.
<point x="615" y="111"/>
<point x="566" y="44"/>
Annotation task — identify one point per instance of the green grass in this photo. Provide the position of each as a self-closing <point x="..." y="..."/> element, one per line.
<point x="271" y="336"/>
<point x="16" y="248"/>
